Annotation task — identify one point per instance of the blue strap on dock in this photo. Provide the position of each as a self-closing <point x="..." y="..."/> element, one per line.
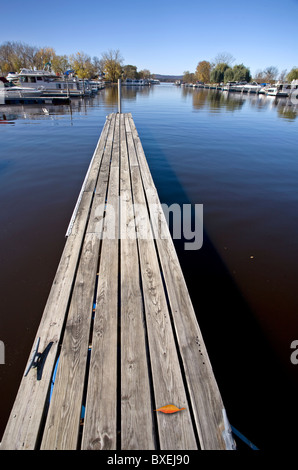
<point x="243" y="438"/>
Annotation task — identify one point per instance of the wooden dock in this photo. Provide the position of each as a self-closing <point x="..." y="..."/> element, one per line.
<point x="118" y="337"/>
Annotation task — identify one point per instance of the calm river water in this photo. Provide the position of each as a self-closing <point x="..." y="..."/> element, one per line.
<point x="236" y="155"/>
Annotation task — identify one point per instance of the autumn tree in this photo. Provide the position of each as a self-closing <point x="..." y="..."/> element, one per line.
<point x="16" y="55"/>
<point x="189" y="77"/>
<point x="44" y="56"/>
<point x="203" y="71"/>
<point x="60" y="64"/>
<point x="145" y="73"/>
<point x="82" y="65"/>
<point x="112" y="64"/>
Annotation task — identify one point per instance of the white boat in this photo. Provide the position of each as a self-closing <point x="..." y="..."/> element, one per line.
<point x="131" y="82"/>
<point x="50" y="83"/>
<point x="13" y="93"/>
<point x="12" y="77"/>
<point x="251" y="87"/>
<point x="264" y="88"/>
<point x="279" y="89"/>
<point x="96" y="85"/>
<point x="230" y="86"/>
<point x="243" y="87"/>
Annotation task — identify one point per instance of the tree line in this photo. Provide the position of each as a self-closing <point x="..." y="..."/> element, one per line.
<point x="221" y="70"/>
<point x="16" y="55"/>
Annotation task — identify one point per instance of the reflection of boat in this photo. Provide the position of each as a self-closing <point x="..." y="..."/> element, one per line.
<point x="5" y="121"/>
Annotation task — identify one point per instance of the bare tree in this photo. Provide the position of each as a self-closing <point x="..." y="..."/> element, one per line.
<point x="282" y="75"/>
<point x="270" y="73"/>
<point x="224" y="58"/>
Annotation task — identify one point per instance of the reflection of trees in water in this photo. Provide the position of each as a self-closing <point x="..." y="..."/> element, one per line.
<point x="131" y="92"/>
<point x="219" y="99"/>
<point x="127" y="92"/>
<point x="111" y="95"/>
<point x="215" y="100"/>
<point x="288" y="112"/>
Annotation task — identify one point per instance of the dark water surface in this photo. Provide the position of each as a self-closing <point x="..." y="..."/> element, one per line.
<point x="236" y="155"/>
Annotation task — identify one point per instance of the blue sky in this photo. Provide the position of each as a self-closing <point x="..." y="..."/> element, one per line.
<point x="167" y="37"/>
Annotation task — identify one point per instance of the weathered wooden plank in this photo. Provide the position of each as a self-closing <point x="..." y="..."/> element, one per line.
<point x="100" y="425"/>
<point x="98" y="207"/>
<point x="62" y="423"/>
<point x="116" y="143"/>
<point x="92" y="172"/>
<point x="25" y="420"/>
<point x="175" y="431"/>
<point x="136" y="403"/>
<point x="130" y="143"/>
<point x="205" y="396"/>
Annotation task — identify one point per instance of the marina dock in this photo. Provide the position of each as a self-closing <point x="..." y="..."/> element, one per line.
<point x="118" y="338"/>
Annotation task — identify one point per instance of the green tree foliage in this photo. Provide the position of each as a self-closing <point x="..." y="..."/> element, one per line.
<point x="203" y="71"/>
<point x="112" y="64"/>
<point x="293" y="74"/>
<point x="217" y="74"/>
<point x="241" y="73"/>
<point x="228" y="75"/>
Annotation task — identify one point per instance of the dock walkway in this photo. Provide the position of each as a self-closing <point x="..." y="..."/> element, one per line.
<point x="119" y="337"/>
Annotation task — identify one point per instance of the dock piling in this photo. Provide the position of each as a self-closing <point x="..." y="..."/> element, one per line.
<point x="119" y="95"/>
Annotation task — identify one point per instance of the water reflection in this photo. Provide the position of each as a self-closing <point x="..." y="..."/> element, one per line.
<point x="214" y="101"/>
<point x="217" y="100"/>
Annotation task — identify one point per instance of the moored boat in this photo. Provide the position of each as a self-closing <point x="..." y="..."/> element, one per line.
<point x="9" y="92"/>
<point x="280" y="89"/>
<point x="135" y="82"/>
<point x="50" y="83"/>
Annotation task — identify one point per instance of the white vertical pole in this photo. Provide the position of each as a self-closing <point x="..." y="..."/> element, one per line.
<point x="119" y="95"/>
